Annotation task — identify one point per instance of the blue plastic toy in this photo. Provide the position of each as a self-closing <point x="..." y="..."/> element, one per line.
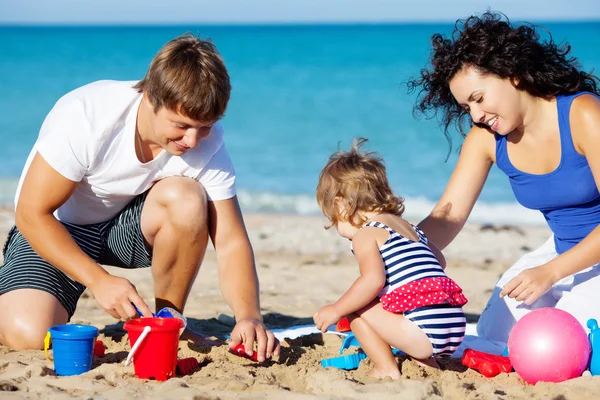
<point x="72" y="348"/>
<point x="351" y="361"/>
<point x="166" y="312"/>
<point x="592" y="324"/>
<point x="349" y="341"/>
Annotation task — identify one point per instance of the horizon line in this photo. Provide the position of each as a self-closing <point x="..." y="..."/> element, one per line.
<point x="80" y="24"/>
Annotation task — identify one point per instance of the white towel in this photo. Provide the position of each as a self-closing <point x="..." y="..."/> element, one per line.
<point x="471" y="340"/>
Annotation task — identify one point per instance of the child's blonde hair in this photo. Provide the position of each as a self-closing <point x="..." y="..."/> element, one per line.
<point x="360" y="179"/>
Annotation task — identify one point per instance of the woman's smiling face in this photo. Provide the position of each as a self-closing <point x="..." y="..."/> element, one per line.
<point x="489" y="99"/>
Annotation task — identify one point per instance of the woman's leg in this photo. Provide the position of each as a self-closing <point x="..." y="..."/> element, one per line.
<point x="501" y="314"/>
<point x="579" y="295"/>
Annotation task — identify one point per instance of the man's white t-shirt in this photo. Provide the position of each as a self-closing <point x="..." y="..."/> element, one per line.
<point x="89" y="137"/>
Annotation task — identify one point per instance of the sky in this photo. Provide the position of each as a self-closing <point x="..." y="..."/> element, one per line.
<point x="283" y="11"/>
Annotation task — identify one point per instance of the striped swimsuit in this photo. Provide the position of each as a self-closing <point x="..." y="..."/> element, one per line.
<point x="417" y="286"/>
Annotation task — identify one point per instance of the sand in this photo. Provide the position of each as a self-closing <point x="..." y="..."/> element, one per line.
<point x="301" y="267"/>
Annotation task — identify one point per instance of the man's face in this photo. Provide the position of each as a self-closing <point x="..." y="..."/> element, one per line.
<point x="177" y="133"/>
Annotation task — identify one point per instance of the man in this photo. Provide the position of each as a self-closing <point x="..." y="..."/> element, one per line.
<point x="132" y="175"/>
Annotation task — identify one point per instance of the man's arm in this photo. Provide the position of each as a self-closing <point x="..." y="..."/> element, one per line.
<point x="44" y="190"/>
<point x="238" y="278"/>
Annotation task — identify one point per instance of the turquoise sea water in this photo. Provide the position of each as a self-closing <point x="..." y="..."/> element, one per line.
<point x="298" y="92"/>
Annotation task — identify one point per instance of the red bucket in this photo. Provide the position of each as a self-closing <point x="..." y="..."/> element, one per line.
<point x="156" y="358"/>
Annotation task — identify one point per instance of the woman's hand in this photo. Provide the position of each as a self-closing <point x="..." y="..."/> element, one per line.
<point x="530" y="284"/>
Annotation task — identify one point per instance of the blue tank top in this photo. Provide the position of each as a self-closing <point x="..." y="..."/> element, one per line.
<point x="567" y="197"/>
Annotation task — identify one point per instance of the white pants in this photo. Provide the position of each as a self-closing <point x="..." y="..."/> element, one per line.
<point x="577" y="294"/>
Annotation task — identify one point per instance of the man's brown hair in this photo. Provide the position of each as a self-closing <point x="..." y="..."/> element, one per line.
<point x="360" y="180"/>
<point x="188" y="76"/>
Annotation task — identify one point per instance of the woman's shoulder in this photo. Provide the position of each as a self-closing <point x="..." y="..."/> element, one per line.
<point x="585" y="110"/>
<point x="585" y="103"/>
<point x="584" y="118"/>
<point x="481" y="141"/>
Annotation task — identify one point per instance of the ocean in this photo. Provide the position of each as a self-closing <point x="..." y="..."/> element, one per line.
<point x="299" y="93"/>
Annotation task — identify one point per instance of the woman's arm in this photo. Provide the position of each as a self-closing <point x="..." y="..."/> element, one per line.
<point x="529" y="285"/>
<point x="452" y="210"/>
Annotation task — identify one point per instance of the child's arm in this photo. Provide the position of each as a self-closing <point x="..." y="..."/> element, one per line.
<point x="364" y="289"/>
<point x="437" y="253"/>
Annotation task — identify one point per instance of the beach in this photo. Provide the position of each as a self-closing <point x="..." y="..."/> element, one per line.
<point x="301" y="267"/>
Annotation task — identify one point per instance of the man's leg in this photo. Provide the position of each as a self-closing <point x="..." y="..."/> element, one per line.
<point x="174" y="222"/>
<point x="27" y="314"/>
<point x="34" y="295"/>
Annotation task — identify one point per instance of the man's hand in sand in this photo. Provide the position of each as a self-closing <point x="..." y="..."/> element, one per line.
<point x="116" y="295"/>
<point x="529" y="285"/>
<point x="248" y="331"/>
<point x="325" y="317"/>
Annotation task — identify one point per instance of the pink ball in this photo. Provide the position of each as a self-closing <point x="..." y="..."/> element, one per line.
<point x="548" y="345"/>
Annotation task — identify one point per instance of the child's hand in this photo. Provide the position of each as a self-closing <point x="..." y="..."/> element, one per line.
<point x="325" y="317"/>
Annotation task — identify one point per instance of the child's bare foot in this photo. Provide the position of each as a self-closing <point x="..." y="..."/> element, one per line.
<point x="381" y="374"/>
<point x="430" y="362"/>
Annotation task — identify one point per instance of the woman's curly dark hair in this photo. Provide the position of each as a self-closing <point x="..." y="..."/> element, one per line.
<point x="493" y="45"/>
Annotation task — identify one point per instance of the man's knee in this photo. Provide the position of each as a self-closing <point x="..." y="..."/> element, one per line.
<point x="183" y="199"/>
<point x="22" y="333"/>
<point x="27" y="314"/>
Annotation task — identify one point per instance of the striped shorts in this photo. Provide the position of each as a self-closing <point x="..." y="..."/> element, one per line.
<point x="118" y="242"/>
<point x="444" y="324"/>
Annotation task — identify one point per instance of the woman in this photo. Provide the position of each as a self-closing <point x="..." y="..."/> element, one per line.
<point x="535" y="114"/>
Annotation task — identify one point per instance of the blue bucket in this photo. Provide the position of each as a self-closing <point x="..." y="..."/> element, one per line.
<point x="72" y="348"/>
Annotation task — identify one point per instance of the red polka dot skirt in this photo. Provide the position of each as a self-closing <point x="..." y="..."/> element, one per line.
<point x="424" y="292"/>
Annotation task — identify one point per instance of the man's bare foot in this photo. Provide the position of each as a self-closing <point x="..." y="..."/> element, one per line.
<point x="200" y="339"/>
<point x="430" y="362"/>
<point x="381" y="374"/>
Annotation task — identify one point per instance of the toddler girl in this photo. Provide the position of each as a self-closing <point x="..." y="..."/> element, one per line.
<point x="402" y="297"/>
